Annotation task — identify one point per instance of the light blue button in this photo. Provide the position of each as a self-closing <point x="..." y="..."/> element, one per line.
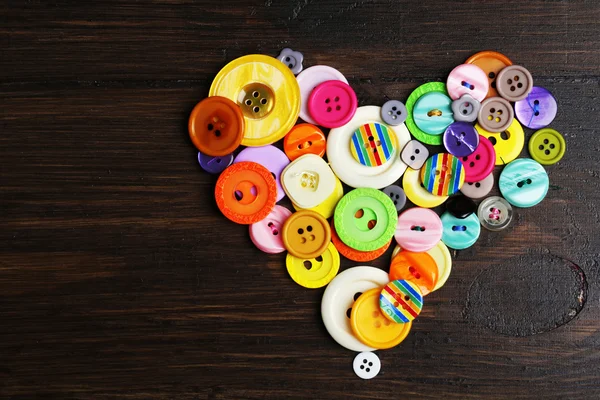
<point x="459" y="233"/>
<point x="524" y="183"/>
<point x="433" y="113"/>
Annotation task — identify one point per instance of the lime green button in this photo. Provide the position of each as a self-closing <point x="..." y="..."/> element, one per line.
<point x="547" y="146"/>
<point x="422" y="90"/>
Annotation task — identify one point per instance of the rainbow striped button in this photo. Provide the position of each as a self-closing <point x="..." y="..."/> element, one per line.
<point x="401" y="301"/>
<point x="373" y="144"/>
<point x="443" y="174"/>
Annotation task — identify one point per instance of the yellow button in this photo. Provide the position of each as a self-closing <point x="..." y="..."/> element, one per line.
<point x="315" y="272"/>
<point x="508" y="144"/>
<point x="267" y="93"/>
<point x="371" y="327"/>
<point x="327" y="207"/>
<point x="306" y="234"/>
<point x="411" y="182"/>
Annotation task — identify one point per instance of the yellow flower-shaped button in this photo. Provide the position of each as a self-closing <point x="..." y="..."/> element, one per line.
<point x="266" y="91"/>
<point x="326" y="207"/>
<point x="315" y="272"/>
<point x="507" y="144"/>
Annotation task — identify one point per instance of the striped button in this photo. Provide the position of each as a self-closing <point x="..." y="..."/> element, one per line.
<point x="373" y="144"/>
<point x="401" y="301"/>
<point x="443" y="174"/>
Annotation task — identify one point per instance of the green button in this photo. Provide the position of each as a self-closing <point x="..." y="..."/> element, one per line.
<point x="422" y="90"/>
<point x="547" y="146"/>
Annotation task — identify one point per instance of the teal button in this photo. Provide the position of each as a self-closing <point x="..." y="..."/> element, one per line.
<point x="459" y="233"/>
<point x="524" y="183"/>
<point x="433" y="113"/>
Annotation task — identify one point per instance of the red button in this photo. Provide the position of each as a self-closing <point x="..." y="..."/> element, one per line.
<point x="332" y="104"/>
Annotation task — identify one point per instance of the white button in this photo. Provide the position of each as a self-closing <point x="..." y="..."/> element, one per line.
<point x="442" y="258"/>
<point x="351" y="171"/>
<point x="308" y="181"/>
<point x="494" y="213"/>
<point x="366" y="365"/>
<point x="339" y="297"/>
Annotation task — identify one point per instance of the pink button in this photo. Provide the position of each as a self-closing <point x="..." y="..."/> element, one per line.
<point x="266" y="234"/>
<point x="418" y="229"/>
<point x="467" y="79"/>
<point x="332" y="104"/>
<point x="479" y="164"/>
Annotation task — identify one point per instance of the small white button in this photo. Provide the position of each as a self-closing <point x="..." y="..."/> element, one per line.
<point x="367" y="365"/>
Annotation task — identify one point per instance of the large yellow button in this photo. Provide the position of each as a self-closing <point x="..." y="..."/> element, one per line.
<point x="415" y="192"/>
<point x="507" y="144"/>
<point x="315" y="272"/>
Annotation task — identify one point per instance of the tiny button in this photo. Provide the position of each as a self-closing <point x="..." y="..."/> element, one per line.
<point x="494" y="213"/>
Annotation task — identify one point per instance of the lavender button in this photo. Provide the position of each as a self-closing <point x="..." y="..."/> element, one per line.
<point x="214" y="165"/>
<point x="461" y="139"/>
<point x="269" y="157"/>
<point x="537" y="110"/>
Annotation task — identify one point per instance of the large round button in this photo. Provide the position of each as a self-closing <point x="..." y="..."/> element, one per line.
<point x="491" y="62"/>
<point x="444" y="119"/>
<point x="481" y="162"/>
<point x="269" y="157"/>
<point x="415" y="192"/>
<point x="267" y="93"/>
<point x="458" y="233"/>
<point x="338" y="300"/>
<point x="332" y="104"/>
<point x="353" y="254"/>
<point x="216" y="126"/>
<point x="467" y="79"/>
<point x="309" y="79"/>
<point x="315" y="272"/>
<point x="401" y="301"/>
<point x="418" y="229"/>
<point x="514" y="83"/>
<point x="495" y="114"/>
<point x="433" y="113"/>
<point x="494" y="213"/>
<point x="365" y="219"/>
<point x="465" y="108"/>
<point x="443" y="174"/>
<point x="547" y="146"/>
<point x="478" y="189"/>
<point x="524" y="183"/>
<point x="306" y="234"/>
<point x="304" y="139"/>
<point x="371" y="327"/>
<point x="308" y="181"/>
<point x="507" y="144"/>
<point x="266" y="234"/>
<point x="246" y="192"/>
<point x="373" y="144"/>
<point x="214" y="165"/>
<point x="393" y="112"/>
<point x="327" y="206"/>
<point x="443" y="261"/>
<point x="419" y="268"/>
<point x="538" y="109"/>
<point x="461" y="139"/>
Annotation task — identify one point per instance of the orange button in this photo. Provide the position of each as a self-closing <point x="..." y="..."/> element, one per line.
<point x="491" y="62"/>
<point x="216" y="126"/>
<point x="419" y="268"/>
<point x="371" y="327"/>
<point x="306" y="234"/>
<point x="246" y="192"/>
<point x="304" y="139"/>
<point x="352" y="254"/>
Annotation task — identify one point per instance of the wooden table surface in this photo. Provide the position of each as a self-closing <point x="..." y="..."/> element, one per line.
<point x="119" y="278"/>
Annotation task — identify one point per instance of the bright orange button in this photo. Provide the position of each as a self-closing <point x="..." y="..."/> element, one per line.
<point x="306" y="234"/>
<point x="371" y="327"/>
<point x="304" y="139"/>
<point x="246" y="192"/>
<point x="216" y="126"/>
<point x="491" y="62"/>
<point x="419" y="268"/>
<point x="352" y="254"/>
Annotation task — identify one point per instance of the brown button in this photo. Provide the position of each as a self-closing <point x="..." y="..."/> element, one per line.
<point x="492" y="63"/>
<point x="306" y="234"/>
<point x="495" y="114"/>
<point x="514" y="83"/>
<point x="216" y="126"/>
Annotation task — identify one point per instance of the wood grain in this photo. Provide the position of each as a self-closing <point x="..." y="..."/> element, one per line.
<point x="119" y="278"/>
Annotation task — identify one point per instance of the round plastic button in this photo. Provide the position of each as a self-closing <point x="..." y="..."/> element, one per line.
<point x="292" y="59"/>
<point x="415" y="192"/>
<point x="547" y="146"/>
<point x="478" y="189"/>
<point x="524" y="183"/>
<point x="461" y="139"/>
<point x="401" y="301"/>
<point x="246" y="192"/>
<point x="397" y="195"/>
<point x="433" y="113"/>
<point x="352" y="254"/>
<point x="267" y="93"/>
<point x="371" y="327"/>
<point x="538" y="109"/>
<point x="467" y="79"/>
<point x="338" y="300"/>
<point x="366" y="365"/>
<point x="308" y="181"/>
<point x="214" y="165"/>
<point x="458" y="233"/>
<point x="465" y="108"/>
<point x="495" y="114"/>
<point x="418" y="229"/>
<point x="419" y="268"/>
<point x="315" y="272"/>
<point x="304" y="139"/>
<point x="332" y="104"/>
<point x="393" y="112"/>
<point x="481" y="162"/>
<point x="306" y="234"/>
<point x="443" y="261"/>
<point x="365" y="219"/>
<point x="327" y="206"/>
<point x="514" y="83"/>
<point x="373" y="144"/>
<point x="494" y="213"/>
<point x="443" y="174"/>
<point x="266" y="234"/>
<point x="419" y="134"/>
<point x="491" y="63"/>
<point x="311" y="78"/>
<point x="269" y="157"/>
<point x="216" y="126"/>
<point x="507" y="144"/>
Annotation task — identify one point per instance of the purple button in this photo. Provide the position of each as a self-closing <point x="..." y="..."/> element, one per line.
<point x="461" y="139"/>
<point x="269" y="157"/>
<point x="537" y="110"/>
<point x="214" y="165"/>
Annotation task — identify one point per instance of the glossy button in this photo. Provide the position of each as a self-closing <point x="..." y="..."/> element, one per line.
<point x="460" y="206"/>
<point x="308" y="181"/>
<point x="414" y="154"/>
<point x="467" y="79"/>
<point x="443" y="174"/>
<point x="306" y="234"/>
<point x="415" y="192"/>
<point x="366" y="365"/>
<point x="491" y="62"/>
<point x="304" y="139"/>
<point x="246" y="192"/>
<point x="393" y="112"/>
<point x="461" y="139"/>
<point x="266" y="234"/>
<point x="494" y="213"/>
<point x="418" y="229"/>
<point x="481" y="162"/>
<point x="371" y="327"/>
<point x="315" y="272"/>
<point x="401" y="301"/>
<point x="443" y="261"/>
<point x="327" y="206"/>
<point x="524" y="183"/>
<point x="269" y="157"/>
<point x="311" y="78"/>
<point x="419" y="134"/>
<point x="267" y="93"/>
<point x="373" y="144"/>
<point x="397" y="195"/>
<point x="465" y="108"/>
<point x="214" y="165"/>
<point x="514" y="83"/>
<point x="216" y="126"/>
<point x="365" y="219"/>
<point x="292" y="59"/>
<point x="353" y="254"/>
<point x="419" y="268"/>
<point x="507" y="144"/>
<point x="538" y="109"/>
<point x="458" y="233"/>
<point x="547" y="146"/>
<point x="332" y="104"/>
<point x="338" y="301"/>
<point x="433" y="113"/>
<point x="495" y="114"/>
<point x="478" y="189"/>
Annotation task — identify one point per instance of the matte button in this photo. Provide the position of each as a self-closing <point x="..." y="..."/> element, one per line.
<point x="401" y="301"/>
<point x="495" y="114"/>
<point x="465" y="108"/>
<point x="269" y="157"/>
<point x="216" y="126"/>
<point x="304" y="139"/>
<point x="507" y="144"/>
<point x="494" y="213"/>
<point x="292" y="59"/>
<point x="491" y="62"/>
<point x="309" y="79"/>
<point x="414" y="154"/>
<point x="433" y="113"/>
<point x="514" y="83"/>
<point x="418" y="229"/>
<point x="524" y="183"/>
<point x="397" y="195"/>
<point x="393" y="112"/>
<point x="332" y="104"/>
<point x="314" y="272"/>
<point x="461" y="206"/>
<point x="306" y="234"/>
<point x="478" y="189"/>
<point x="416" y="193"/>
<point x="266" y="234"/>
<point x="467" y="79"/>
<point x="417" y="267"/>
<point x="538" y="109"/>
<point x="443" y="174"/>
<point x="353" y="254"/>
<point x="366" y="365"/>
<point x="547" y="146"/>
<point x="461" y="139"/>
<point x="214" y="165"/>
<point x="460" y="234"/>
<point x="481" y="162"/>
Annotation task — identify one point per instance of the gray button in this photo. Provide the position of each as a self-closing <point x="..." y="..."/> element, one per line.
<point x="393" y="112"/>
<point x="514" y="83"/>
<point x="478" y="190"/>
<point x="414" y="154"/>
<point x="494" y="213"/>
<point x="397" y="195"/>
<point x="293" y="60"/>
<point x="495" y="114"/>
<point x="466" y="108"/>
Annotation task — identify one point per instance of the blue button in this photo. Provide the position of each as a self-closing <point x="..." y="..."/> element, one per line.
<point x="524" y="183"/>
<point x="459" y="233"/>
<point x="433" y="113"/>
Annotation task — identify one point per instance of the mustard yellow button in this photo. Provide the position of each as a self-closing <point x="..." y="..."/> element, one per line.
<point x="315" y="272"/>
<point x="507" y="144"/>
<point x="371" y="327"/>
<point x="411" y="183"/>
<point x="306" y="234"/>
<point x="267" y="93"/>
<point x="327" y="207"/>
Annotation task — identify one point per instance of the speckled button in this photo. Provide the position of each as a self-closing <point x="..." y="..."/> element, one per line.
<point x="465" y="108"/>
<point x="461" y="139"/>
<point x="433" y="113"/>
<point x="373" y="144"/>
<point x="393" y="112"/>
<point x="467" y="79"/>
<point x="332" y="104"/>
<point x="416" y="94"/>
<point x="524" y="183"/>
<point x="491" y="62"/>
<point x="514" y="83"/>
<point x="547" y="146"/>
<point x="311" y="78"/>
<point x="418" y="229"/>
<point x="443" y="174"/>
<point x="460" y="234"/>
<point x="538" y="109"/>
<point x="397" y="195"/>
<point x="478" y="189"/>
<point x="414" y="154"/>
<point x="508" y="143"/>
<point x="481" y="162"/>
<point x="269" y="157"/>
<point x="401" y="301"/>
<point x="214" y="165"/>
<point x="494" y="213"/>
<point x="495" y="114"/>
<point x="415" y="192"/>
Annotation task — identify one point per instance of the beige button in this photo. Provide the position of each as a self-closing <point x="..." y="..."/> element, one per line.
<point x="514" y="83"/>
<point x="495" y="114"/>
